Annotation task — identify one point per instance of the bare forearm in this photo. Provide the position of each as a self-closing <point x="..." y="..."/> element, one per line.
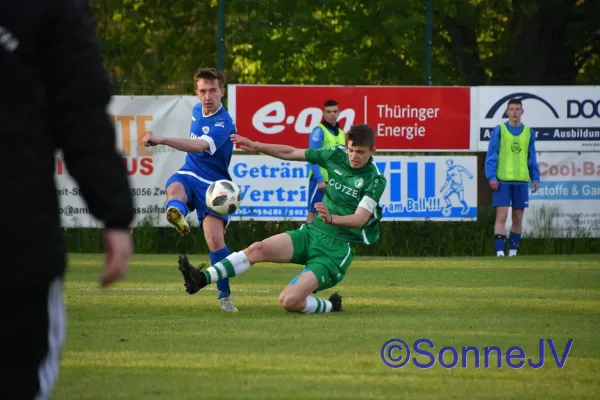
<point x="187" y="145"/>
<point x="281" y="151"/>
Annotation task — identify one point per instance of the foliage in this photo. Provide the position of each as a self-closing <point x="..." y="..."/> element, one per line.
<point x="154" y="47"/>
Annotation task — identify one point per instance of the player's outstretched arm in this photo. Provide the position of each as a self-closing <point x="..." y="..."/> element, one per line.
<point x="181" y="144"/>
<point x="280" y="151"/>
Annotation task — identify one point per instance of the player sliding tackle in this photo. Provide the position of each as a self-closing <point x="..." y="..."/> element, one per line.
<point x="350" y="213"/>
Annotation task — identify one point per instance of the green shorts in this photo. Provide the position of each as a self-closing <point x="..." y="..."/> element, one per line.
<point x="327" y="257"/>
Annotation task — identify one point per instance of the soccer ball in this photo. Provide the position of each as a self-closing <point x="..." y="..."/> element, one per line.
<point x="223" y="197"/>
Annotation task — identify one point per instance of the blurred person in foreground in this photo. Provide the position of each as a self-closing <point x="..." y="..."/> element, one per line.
<point x="54" y="95"/>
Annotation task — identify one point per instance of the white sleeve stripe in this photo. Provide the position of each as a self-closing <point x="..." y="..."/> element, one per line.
<point x="211" y="144"/>
<point x="368" y="204"/>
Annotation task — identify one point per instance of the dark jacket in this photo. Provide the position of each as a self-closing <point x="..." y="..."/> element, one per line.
<point x="54" y="94"/>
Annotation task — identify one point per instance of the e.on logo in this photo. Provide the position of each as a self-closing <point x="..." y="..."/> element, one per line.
<point x="270" y="119"/>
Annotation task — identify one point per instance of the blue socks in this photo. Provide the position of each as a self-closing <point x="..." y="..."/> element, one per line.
<point x="179" y="204"/>
<point x="222" y="285"/>
<point x="499" y="244"/>
<point x="514" y="239"/>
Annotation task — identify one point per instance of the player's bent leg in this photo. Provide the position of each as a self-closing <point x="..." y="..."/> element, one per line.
<point x="294" y="297"/>
<point x="177" y="208"/>
<point x="278" y="248"/>
<point x="297" y="296"/>
<point x="214" y="234"/>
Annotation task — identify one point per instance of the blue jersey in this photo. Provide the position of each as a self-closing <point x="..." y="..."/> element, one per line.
<point x="215" y="129"/>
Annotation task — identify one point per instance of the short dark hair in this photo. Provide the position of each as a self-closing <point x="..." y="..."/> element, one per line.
<point x="210" y="74"/>
<point x="514" y="101"/>
<point x="361" y="135"/>
<point x="330" y="103"/>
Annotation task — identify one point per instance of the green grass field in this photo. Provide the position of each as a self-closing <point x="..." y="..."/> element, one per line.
<point x="145" y="338"/>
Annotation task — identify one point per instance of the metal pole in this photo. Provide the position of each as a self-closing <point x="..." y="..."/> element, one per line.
<point x="428" y="42"/>
<point x="220" y="34"/>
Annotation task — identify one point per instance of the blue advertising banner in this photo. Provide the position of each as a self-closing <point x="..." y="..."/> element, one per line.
<point x="437" y="188"/>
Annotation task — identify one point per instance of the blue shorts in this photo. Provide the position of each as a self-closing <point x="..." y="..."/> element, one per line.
<point x="515" y="195"/>
<point x="314" y="195"/>
<point x="195" y="190"/>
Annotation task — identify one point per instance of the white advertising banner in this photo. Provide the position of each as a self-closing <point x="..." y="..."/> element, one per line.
<point x="419" y="188"/>
<point x="148" y="168"/>
<point x="564" y="118"/>
<point x="567" y="203"/>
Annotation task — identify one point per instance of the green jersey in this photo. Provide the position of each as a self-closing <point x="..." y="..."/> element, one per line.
<point x="347" y="189"/>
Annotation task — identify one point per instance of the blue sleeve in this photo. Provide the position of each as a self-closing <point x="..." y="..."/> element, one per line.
<point x="218" y="134"/>
<point x="316" y="142"/>
<point x="534" y="169"/>
<point x="491" y="158"/>
<point x="195" y="127"/>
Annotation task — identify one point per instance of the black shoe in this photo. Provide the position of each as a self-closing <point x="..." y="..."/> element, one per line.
<point x="336" y="302"/>
<point x="194" y="277"/>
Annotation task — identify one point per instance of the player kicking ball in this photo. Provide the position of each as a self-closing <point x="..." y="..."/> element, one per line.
<point x="350" y="213"/>
<point x="209" y="150"/>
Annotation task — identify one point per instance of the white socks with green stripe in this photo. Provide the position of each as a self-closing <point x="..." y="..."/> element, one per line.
<point x="315" y="305"/>
<point x="237" y="263"/>
<point x="232" y="265"/>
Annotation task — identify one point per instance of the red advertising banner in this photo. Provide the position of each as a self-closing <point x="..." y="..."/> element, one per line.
<point x="405" y="118"/>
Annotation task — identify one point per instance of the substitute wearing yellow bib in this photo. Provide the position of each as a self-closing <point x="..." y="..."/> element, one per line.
<point x="327" y="134"/>
<point x="510" y="165"/>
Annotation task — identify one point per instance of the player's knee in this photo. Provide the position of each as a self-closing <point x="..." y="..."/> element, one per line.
<point x="176" y="191"/>
<point x="289" y="301"/>
<point x="501" y="216"/>
<point x="214" y="241"/>
<point x="255" y="250"/>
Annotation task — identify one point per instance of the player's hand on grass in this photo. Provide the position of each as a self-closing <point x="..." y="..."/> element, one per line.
<point x="152" y="140"/>
<point x="321" y="186"/>
<point x="118" y="247"/>
<point x="323" y="212"/>
<point x="535" y="187"/>
<point x="244" y="143"/>
<point x="494" y="185"/>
